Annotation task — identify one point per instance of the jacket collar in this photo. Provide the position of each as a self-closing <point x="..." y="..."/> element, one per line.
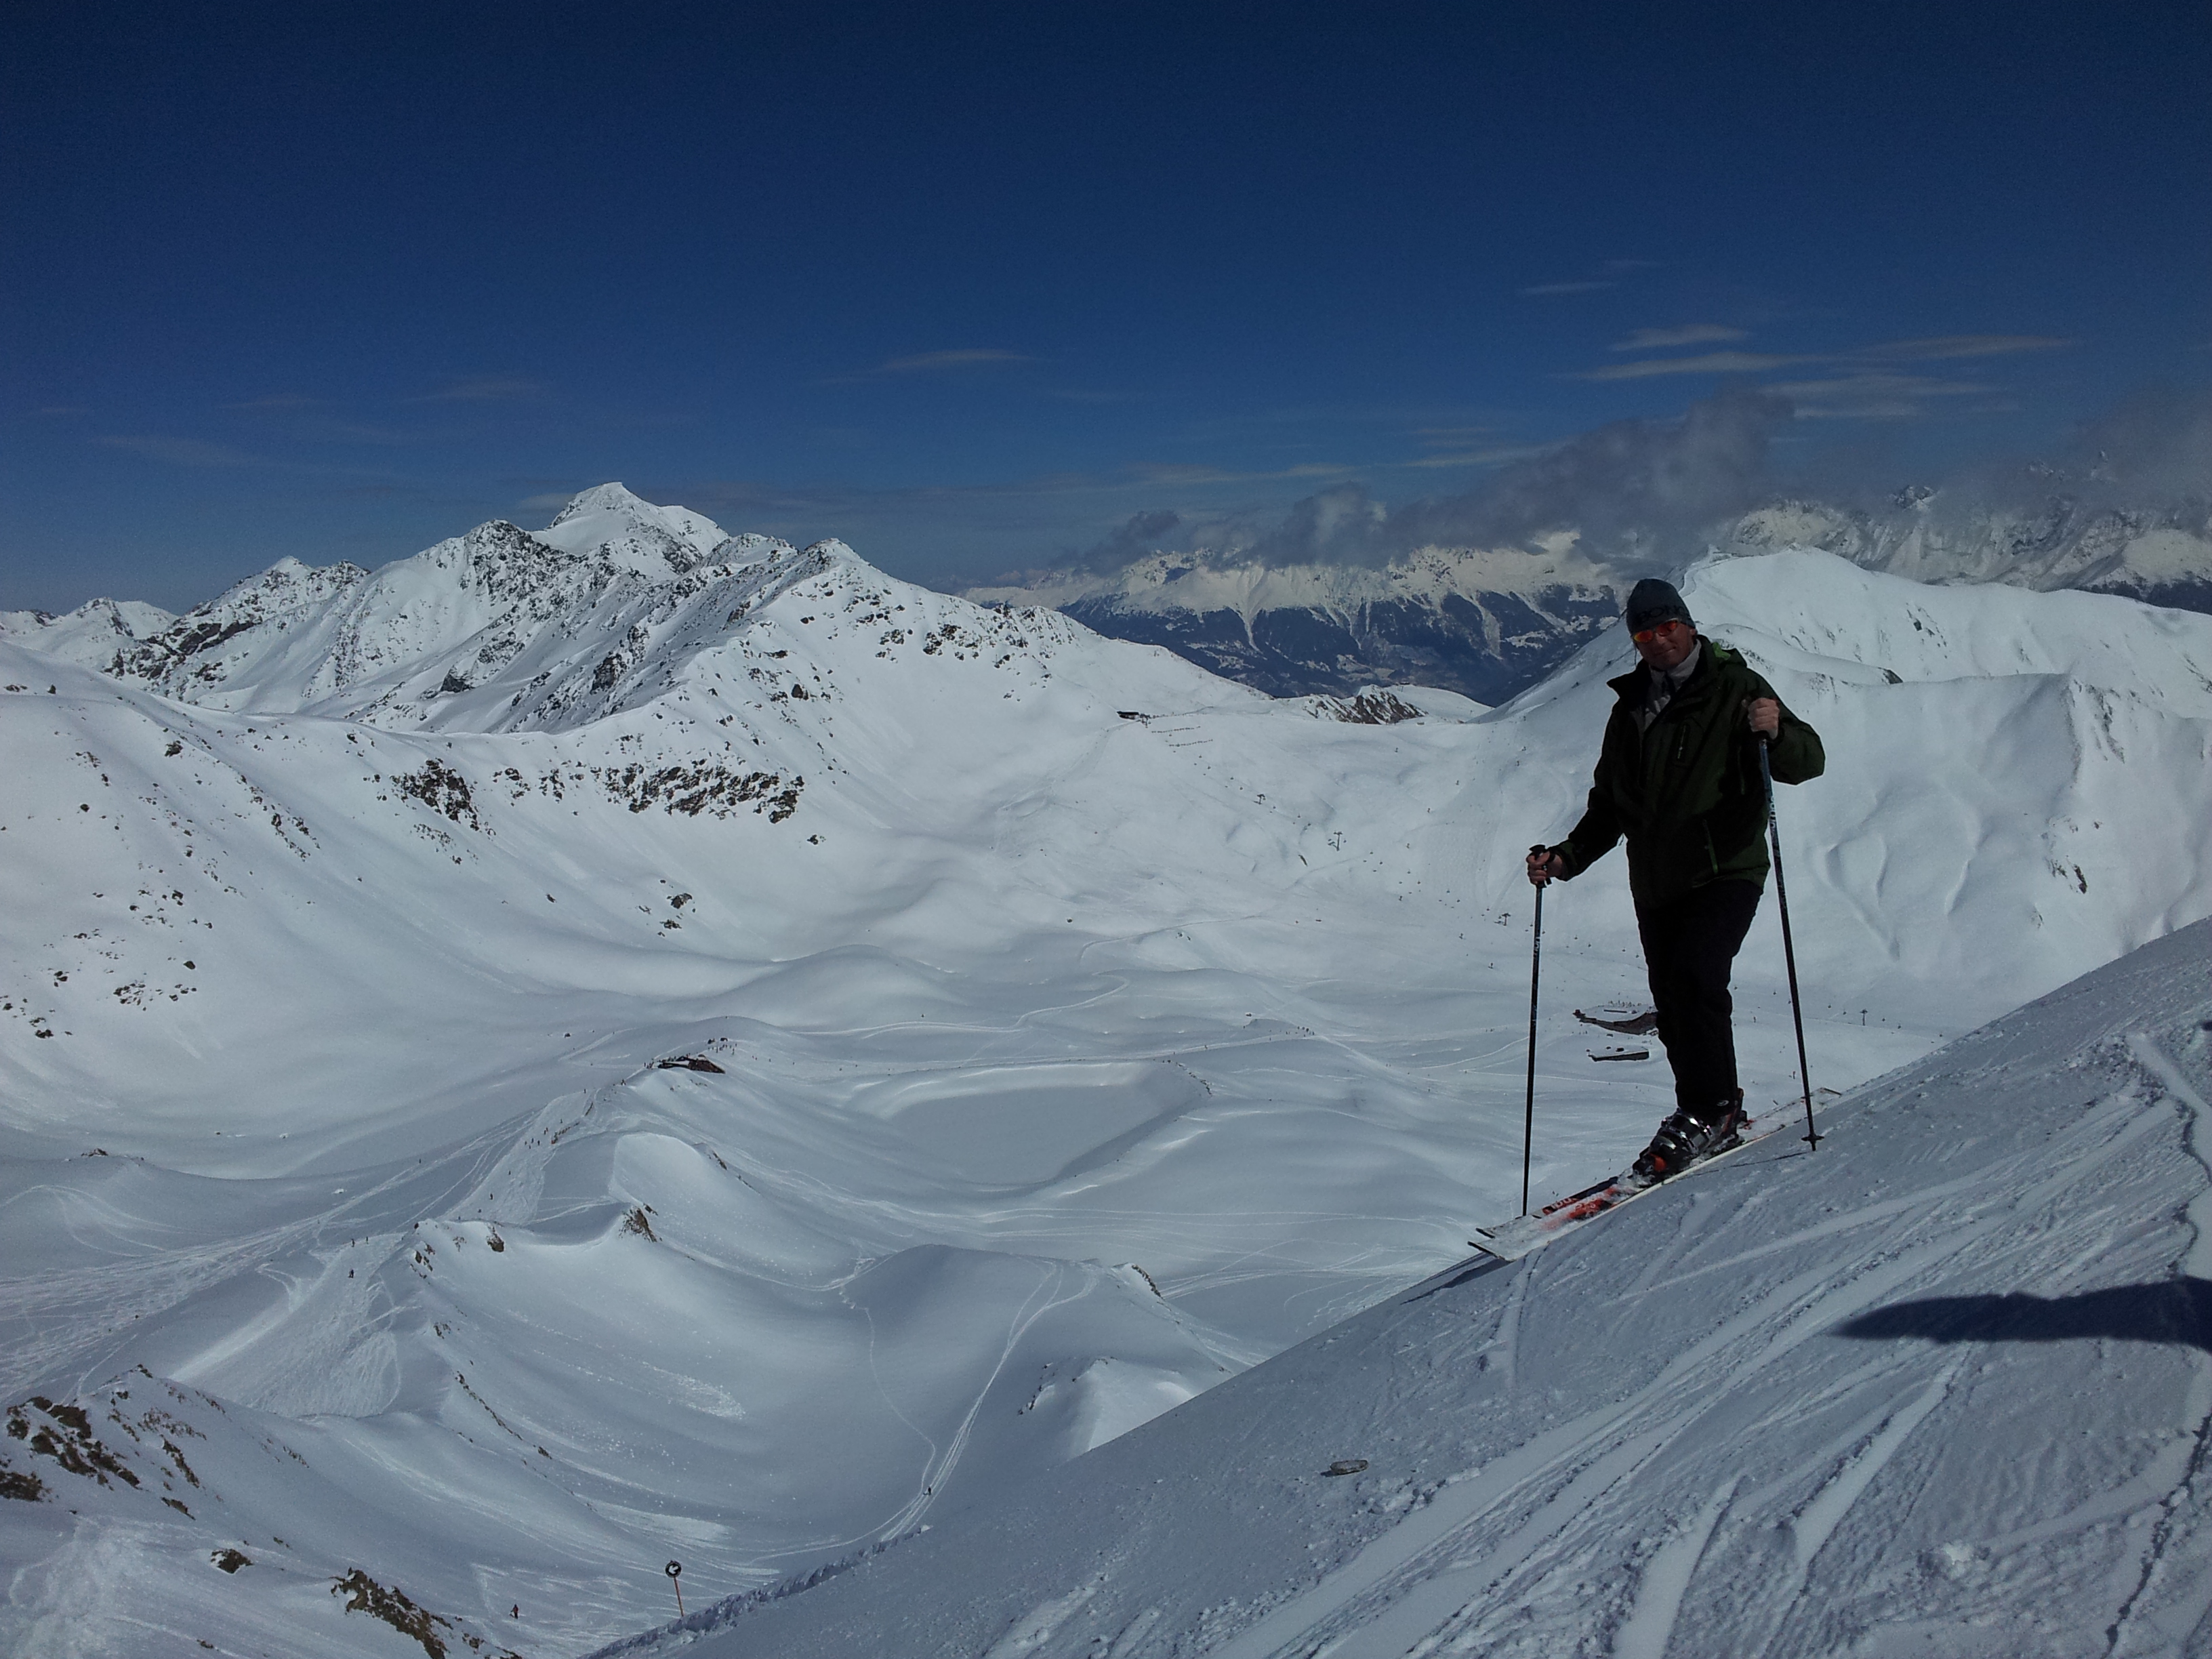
<point x="1629" y="687"/>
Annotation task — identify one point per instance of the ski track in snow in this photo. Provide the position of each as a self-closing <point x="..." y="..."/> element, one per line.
<point x="1402" y="1587"/>
<point x="1069" y="1065"/>
<point x="2159" y="1614"/>
<point x="1665" y="1579"/>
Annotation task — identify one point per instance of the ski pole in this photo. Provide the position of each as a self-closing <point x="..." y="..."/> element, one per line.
<point x="1788" y="950"/>
<point x="1535" y="973"/>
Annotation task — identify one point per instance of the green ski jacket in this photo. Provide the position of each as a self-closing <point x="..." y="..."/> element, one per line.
<point x="1686" y="792"/>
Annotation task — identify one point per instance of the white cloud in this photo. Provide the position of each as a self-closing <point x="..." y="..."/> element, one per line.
<point x="1712" y="362"/>
<point x="485" y="389"/>
<point x="1567" y="287"/>
<point x="937" y="362"/>
<point x="1872" y="396"/>
<point x="1496" y="455"/>
<point x="1961" y="345"/>
<point x="1177" y="472"/>
<point x="1861" y="384"/>
<point x="1663" y="339"/>
<point x="923" y="361"/>
<point x="1875" y="385"/>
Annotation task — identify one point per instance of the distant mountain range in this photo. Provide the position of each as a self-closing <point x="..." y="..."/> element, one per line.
<point x="1490" y="623"/>
<point x="425" y="640"/>
<point x="1483" y="623"/>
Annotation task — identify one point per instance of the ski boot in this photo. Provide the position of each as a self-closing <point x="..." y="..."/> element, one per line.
<point x="1688" y="1138"/>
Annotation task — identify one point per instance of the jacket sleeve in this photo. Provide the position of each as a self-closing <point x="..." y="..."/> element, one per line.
<point x="1794" y="754"/>
<point x="1592" y="838"/>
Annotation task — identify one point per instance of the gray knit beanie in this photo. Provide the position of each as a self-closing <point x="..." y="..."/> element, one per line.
<point x="1651" y="602"/>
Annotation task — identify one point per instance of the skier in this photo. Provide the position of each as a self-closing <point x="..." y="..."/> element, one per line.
<point x="1678" y="775"/>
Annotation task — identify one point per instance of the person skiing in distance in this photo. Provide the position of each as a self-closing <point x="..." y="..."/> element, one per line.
<point x="1678" y="776"/>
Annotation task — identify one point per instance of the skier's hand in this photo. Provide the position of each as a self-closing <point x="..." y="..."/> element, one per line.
<point x="1544" y="865"/>
<point x="1763" y="715"/>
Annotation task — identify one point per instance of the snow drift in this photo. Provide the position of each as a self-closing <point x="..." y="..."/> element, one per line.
<point x="1944" y="1385"/>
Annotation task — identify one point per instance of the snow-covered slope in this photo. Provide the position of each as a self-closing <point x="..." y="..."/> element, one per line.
<point x="93" y="635"/>
<point x="2060" y="541"/>
<point x="1943" y="1386"/>
<point x="1087" y="1028"/>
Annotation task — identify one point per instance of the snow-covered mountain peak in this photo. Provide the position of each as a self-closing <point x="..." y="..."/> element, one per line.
<point x="500" y="630"/>
<point x="2061" y="541"/>
<point x="531" y="613"/>
<point x="91" y="635"/>
<point x="610" y="522"/>
<point x="611" y="497"/>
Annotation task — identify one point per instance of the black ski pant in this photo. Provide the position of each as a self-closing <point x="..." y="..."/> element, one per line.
<point x="1689" y="945"/>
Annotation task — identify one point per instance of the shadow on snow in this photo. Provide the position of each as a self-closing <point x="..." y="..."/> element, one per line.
<point x="2178" y="1311"/>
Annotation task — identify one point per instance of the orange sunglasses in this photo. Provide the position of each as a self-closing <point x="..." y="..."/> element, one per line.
<point x="1645" y="635"/>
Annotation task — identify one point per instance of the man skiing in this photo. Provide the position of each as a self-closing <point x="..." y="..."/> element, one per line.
<point x="1678" y="775"/>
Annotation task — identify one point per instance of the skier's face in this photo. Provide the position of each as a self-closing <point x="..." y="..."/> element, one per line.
<point x="1665" y="646"/>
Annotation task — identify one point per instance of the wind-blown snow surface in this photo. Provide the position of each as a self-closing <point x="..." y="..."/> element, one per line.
<point x="1068" y="1063"/>
<point x="1943" y="1386"/>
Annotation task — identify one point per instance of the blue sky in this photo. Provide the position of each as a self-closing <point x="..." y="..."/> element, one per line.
<point x="972" y="286"/>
